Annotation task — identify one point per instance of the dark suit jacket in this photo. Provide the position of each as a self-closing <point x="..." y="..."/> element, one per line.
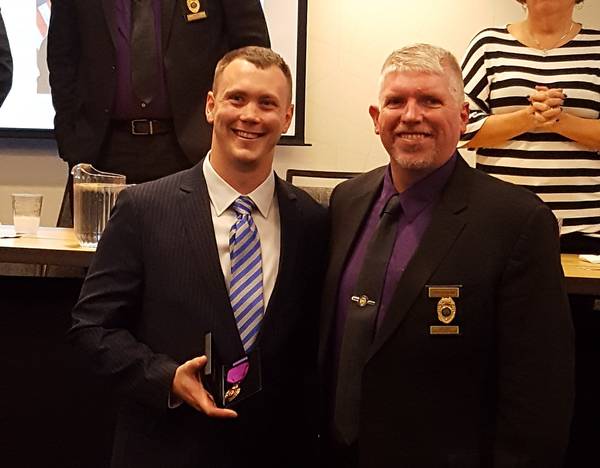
<point x="155" y="287"/>
<point x="500" y="394"/>
<point x="81" y="60"/>
<point x="6" y="64"/>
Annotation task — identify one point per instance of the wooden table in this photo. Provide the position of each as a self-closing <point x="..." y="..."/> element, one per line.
<point x="50" y="246"/>
<point x="582" y="277"/>
<point x="58" y="246"/>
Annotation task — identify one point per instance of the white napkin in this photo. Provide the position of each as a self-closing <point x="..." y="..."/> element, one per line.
<point x="590" y="258"/>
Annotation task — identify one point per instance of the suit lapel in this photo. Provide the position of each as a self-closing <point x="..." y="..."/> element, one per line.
<point x="346" y="226"/>
<point x="168" y="10"/>
<point x="447" y="222"/>
<point x="289" y="221"/>
<point x="200" y="237"/>
<point x="111" y="20"/>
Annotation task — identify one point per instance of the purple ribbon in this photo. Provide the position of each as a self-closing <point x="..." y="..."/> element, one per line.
<point x="238" y="371"/>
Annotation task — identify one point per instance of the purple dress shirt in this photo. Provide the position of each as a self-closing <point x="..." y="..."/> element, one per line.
<point x="417" y="204"/>
<point x="126" y="105"/>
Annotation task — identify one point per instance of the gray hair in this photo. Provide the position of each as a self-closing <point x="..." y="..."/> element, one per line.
<point x="426" y="58"/>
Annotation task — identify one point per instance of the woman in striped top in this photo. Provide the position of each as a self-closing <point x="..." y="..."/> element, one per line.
<point x="534" y="92"/>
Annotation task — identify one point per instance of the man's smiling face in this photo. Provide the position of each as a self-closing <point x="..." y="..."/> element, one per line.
<point x="418" y="119"/>
<point x="249" y="109"/>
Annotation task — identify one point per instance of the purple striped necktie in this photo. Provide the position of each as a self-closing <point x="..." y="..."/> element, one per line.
<point x="246" y="286"/>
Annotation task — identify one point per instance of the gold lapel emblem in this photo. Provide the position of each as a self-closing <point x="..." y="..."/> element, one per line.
<point x="446" y="309"/>
<point x="194" y="11"/>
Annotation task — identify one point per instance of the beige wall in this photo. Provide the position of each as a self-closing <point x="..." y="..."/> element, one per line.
<point x="347" y="42"/>
<point x="31" y="166"/>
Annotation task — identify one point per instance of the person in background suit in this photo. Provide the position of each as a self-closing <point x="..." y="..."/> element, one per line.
<point x="129" y="79"/>
<point x="6" y="64"/>
<point x="168" y="270"/>
<point x="460" y="352"/>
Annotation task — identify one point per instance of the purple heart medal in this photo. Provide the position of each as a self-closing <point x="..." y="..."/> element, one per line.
<point x="235" y="375"/>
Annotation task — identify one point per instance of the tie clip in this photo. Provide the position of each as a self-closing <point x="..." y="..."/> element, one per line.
<point x="362" y="301"/>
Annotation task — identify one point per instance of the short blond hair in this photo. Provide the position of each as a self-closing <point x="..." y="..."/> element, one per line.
<point x="426" y="58"/>
<point x="260" y="57"/>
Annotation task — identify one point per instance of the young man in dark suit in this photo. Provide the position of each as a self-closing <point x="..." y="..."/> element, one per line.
<point x="129" y="78"/>
<point x="446" y="336"/>
<point x="181" y="258"/>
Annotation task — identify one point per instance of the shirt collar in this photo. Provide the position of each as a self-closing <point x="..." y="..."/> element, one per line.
<point x="421" y="194"/>
<point x="222" y="195"/>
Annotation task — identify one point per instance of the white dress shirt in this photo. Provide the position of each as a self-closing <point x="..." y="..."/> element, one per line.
<point x="266" y="219"/>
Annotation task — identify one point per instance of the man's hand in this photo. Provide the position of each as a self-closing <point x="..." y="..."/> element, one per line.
<point x="188" y="387"/>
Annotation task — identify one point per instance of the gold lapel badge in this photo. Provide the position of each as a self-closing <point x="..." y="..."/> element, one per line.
<point x="446" y="309"/>
<point x="194" y="11"/>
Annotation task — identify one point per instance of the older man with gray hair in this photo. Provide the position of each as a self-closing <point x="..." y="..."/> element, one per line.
<point x="446" y="337"/>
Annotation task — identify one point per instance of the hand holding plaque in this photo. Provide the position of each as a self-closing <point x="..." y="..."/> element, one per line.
<point x="241" y="379"/>
<point x="187" y="387"/>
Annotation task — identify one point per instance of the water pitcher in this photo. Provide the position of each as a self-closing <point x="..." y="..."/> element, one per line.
<point x="94" y="193"/>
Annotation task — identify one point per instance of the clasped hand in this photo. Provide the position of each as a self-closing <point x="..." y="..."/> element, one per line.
<point x="188" y="387"/>
<point x="547" y="105"/>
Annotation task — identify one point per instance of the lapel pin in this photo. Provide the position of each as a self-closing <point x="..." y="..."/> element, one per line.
<point x="193" y="11"/>
<point x="446" y="309"/>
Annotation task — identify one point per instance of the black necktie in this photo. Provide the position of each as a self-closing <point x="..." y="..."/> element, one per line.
<point x="144" y="56"/>
<point x="359" y="327"/>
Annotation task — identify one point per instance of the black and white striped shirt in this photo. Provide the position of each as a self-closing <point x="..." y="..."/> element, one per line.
<point x="499" y="74"/>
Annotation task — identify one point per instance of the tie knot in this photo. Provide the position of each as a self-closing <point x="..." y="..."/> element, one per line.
<point x="243" y="205"/>
<point x="393" y="206"/>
